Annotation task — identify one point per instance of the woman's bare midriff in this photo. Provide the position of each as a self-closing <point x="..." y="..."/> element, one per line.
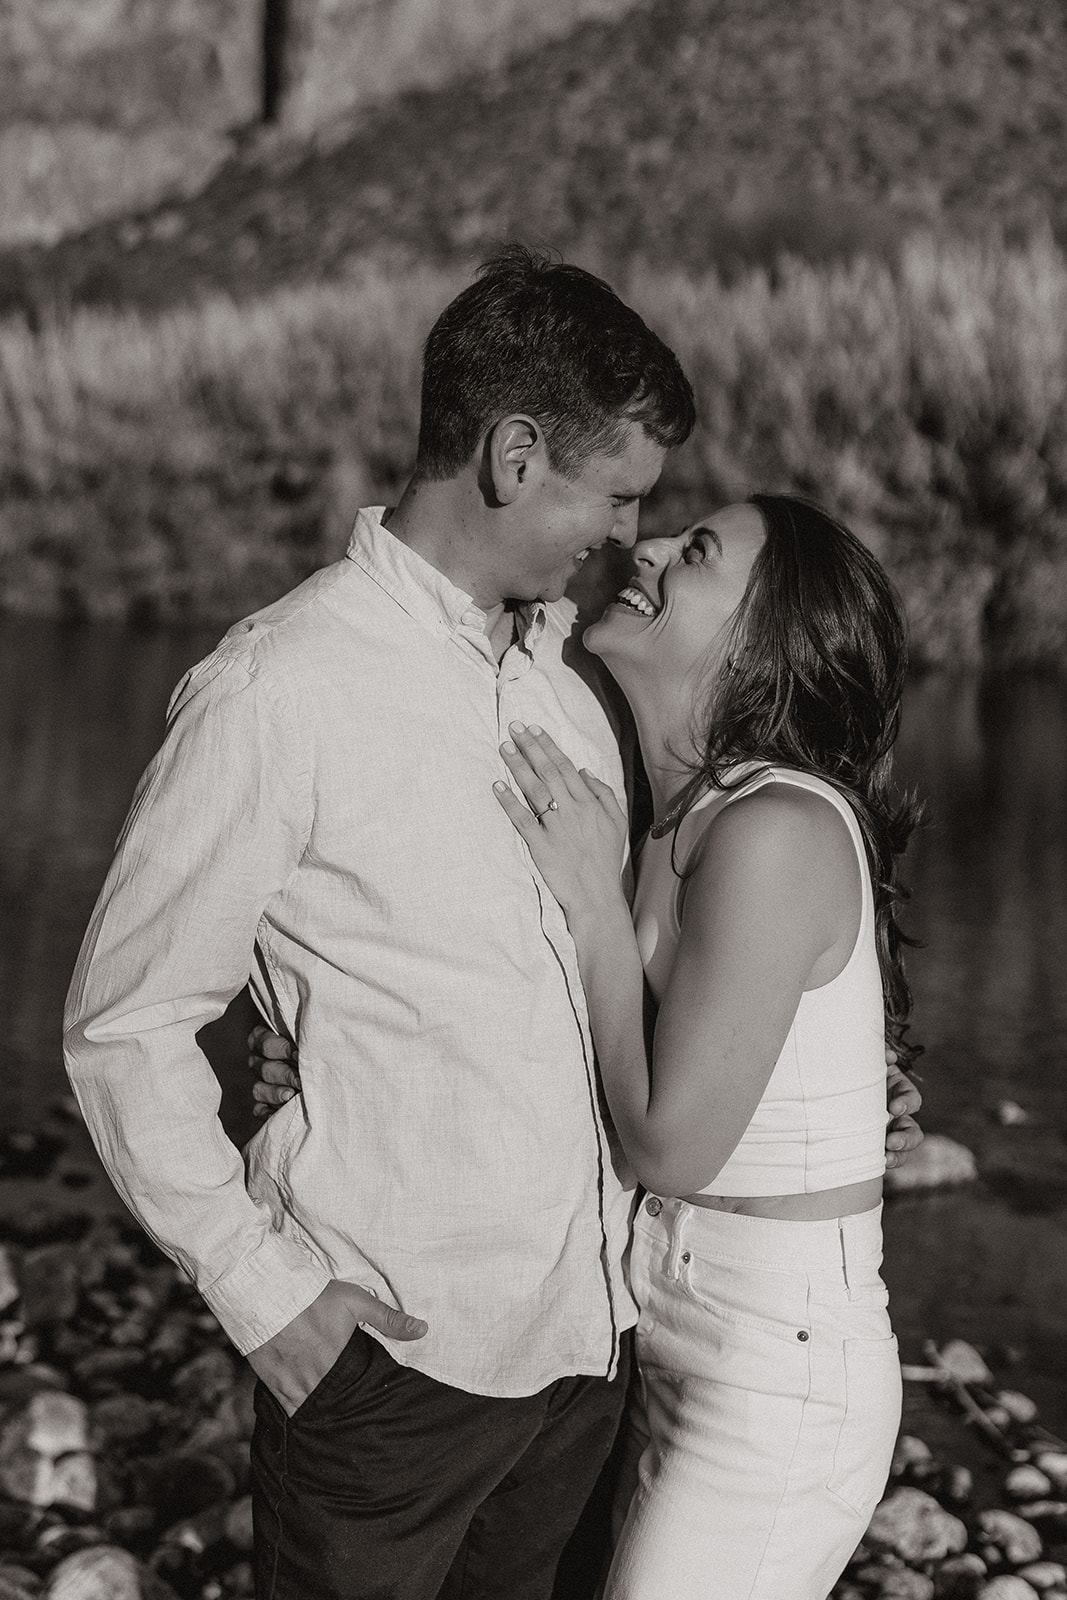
<point x="821" y="1206"/>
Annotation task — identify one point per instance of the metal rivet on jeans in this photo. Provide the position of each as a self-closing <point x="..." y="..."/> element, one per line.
<point x="686" y="1257"/>
<point x="653" y="1206"/>
<point x="803" y="1334"/>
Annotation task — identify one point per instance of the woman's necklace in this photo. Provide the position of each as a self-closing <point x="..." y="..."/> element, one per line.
<point x="686" y="799"/>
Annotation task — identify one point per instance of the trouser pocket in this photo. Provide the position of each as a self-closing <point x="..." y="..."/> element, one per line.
<point x="869" y="1422"/>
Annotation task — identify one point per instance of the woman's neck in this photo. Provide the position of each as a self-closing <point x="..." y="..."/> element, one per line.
<point x="667" y="755"/>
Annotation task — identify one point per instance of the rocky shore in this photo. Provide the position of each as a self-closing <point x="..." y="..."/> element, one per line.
<point x="125" y="1421"/>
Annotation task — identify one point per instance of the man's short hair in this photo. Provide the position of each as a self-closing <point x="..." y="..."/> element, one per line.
<point x="538" y="336"/>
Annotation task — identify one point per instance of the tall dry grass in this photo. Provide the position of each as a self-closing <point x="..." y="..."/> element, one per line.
<point x="196" y="464"/>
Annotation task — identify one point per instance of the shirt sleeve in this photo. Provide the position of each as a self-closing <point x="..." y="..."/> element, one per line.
<point x="216" y="828"/>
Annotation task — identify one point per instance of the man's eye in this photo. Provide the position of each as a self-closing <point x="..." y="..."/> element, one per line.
<point x="694" y="550"/>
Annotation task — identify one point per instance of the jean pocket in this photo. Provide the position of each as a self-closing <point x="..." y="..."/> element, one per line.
<point x="869" y="1422"/>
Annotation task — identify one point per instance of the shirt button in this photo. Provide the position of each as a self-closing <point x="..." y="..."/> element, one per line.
<point x="803" y="1335"/>
<point x="653" y="1206"/>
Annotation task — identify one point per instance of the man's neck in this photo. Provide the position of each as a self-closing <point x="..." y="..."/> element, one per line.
<point x="436" y="521"/>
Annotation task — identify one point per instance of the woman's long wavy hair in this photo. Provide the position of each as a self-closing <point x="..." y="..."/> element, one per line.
<point x="814" y="675"/>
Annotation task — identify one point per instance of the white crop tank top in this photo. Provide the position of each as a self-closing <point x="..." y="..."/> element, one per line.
<point x="822" y="1118"/>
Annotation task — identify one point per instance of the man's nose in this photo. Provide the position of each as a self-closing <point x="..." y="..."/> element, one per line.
<point x="624" y="528"/>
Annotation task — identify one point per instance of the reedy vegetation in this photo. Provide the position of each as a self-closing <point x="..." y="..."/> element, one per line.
<point x="194" y="464"/>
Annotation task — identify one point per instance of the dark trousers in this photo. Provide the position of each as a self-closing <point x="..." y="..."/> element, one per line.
<point x="387" y="1485"/>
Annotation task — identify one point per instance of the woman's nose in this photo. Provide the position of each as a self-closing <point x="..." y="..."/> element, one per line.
<point x="655" y="554"/>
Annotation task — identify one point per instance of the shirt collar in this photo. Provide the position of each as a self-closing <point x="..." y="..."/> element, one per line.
<point x="419" y="588"/>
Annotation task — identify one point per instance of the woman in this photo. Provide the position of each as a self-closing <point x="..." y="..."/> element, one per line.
<point x="762" y="653"/>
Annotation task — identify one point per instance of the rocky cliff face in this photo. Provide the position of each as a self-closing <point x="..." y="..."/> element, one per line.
<point x="107" y="105"/>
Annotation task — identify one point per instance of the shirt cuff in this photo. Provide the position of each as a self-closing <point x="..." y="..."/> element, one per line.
<point x="264" y="1292"/>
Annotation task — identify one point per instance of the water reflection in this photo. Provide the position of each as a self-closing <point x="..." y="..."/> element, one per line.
<point x="80" y="712"/>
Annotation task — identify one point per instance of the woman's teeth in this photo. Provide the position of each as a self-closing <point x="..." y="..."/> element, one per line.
<point x="636" y="601"/>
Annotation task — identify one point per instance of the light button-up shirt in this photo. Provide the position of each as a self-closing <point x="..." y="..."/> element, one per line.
<point x="321" y="814"/>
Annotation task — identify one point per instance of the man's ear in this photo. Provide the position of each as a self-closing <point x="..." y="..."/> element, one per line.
<point x="513" y="447"/>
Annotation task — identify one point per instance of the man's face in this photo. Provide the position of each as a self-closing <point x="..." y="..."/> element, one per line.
<point x="564" y="518"/>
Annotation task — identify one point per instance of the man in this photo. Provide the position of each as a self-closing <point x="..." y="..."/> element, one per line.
<point x="321" y="814"/>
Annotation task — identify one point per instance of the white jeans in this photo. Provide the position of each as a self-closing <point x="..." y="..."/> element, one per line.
<point x="768" y="1404"/>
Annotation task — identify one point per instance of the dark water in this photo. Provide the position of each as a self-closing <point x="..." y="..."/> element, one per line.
<point x="81" y="711"/>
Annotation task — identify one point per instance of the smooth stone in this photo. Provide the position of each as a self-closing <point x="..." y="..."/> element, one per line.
<point x="11" y="1589"/>
<point x="104" y="1372"/>
<point x="957" y="1485"/>
<point x="1018" y="1539"/>
<point x="44" y="1453"/>
<point x="50" y="1285"/>
<point x="1045" y="1575"/>
<point x="964" y="1362"/>
<point x="910" y="1452"/>
<point x="1053" y="1463"/>
<point x="910" y="1523"/>
<point x="103" y="1573"/>
<point x="958" y="1577"/>
<point x="1050" y="1516"/>
<point x="18" y="1583"/>
<point x="1027" y="1482"/>
<point x="179" y="1485"/>
<point x="205" y="1380"/>
<point x="1019" y="1407"/>
<point x="9" y="1284"/>
<point x="239" y="1523"/>
<point x="901" y="1583"/>
<point x="1006" y="1587"/>
<point x="123" y="1419"/>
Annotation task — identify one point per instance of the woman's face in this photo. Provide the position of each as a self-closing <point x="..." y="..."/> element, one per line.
<point x="671" y="623"/>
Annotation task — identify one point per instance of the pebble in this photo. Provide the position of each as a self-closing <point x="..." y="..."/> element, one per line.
<point x="1020" y="1407"/>
<point x="911" y="1454"/>
<point x="956" y="1485"/>
<point x="12" y="1587"/>
<point x="102" y="1573"/>
<point x="1045" y="1575"/>
<point x="965" y="1362"/>
<point x="1048" y="1515"/>
<point x="902" y="1583"/>
<point x="959" y="1576"/>
<point x="1006" y="1588"/>
<point x="910" y="1523"/>
<point x="1017" y="1539"/>
<point x="1053" y="1463"/>
<point x="1011" y="1115"/>
<point x="9" y="1286"/>
<point x="44" y="1452"/>
<point x="1027" y="1482"/>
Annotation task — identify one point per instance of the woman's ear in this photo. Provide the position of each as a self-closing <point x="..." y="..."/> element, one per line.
<point x="513" y="447"/>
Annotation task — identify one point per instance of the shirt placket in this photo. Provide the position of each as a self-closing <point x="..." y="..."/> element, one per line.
<point x="513" y="671"/>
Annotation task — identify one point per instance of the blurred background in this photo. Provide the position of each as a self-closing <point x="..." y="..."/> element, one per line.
<point x="225" y="227"/>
